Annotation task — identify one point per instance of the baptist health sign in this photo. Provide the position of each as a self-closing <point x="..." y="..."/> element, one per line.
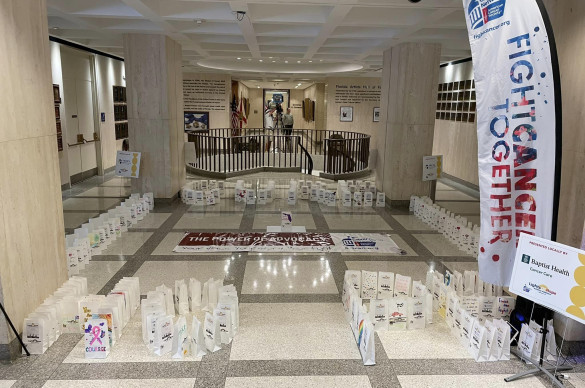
<point x="550" y="274"/>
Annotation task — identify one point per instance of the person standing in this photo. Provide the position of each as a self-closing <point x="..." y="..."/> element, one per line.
<point x="287" y="124"/>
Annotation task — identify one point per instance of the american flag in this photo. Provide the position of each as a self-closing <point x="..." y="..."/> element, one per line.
<point x="242" y="113"/>
<point x="235" y="117"/>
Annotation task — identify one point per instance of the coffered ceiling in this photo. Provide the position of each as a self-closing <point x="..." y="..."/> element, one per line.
<point x="307" y="39"/>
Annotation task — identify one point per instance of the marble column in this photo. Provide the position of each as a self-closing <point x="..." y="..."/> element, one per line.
<point x="154" y="92"/>
<point x="32" y="244"/>
<point x="409" y="94"/>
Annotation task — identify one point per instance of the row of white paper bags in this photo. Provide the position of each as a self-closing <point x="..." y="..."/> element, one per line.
<point x="201" y="198"/>
<point x="391" y="310"/>
<point x="205" y="185"/>
<point x="193" y="297"/>
<point x="94" y="236"/>
<point x="383" y="285"/>
<point x="469" y="283"/>
<point x="241" y="192"/>
<point x="445" y="296"/>
<point x="454" y="227"/>
<point x="43" y="326"/>
<point x="106" y="316"/>
<point x="360" y="322"/>
<point x="359" y="199"/>
<point x="530" y="341"/>
<point x="357" y="185"/>
<point x="163" y="336"/>
<point x="487" y="341"/>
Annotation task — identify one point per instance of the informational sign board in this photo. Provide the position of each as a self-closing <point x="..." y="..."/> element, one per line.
<point x="432" y="167"/>
<point x="128" y="164"/>
<point x="550" y="274"/>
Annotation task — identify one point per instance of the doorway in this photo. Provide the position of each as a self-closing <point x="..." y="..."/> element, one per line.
<point x="79" y="114"/>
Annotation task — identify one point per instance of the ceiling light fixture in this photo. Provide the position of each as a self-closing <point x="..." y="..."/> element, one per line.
<point x="238" y="58"/>
<point x="259" y="60"/>
<point x="310" y="61"/>
<point x="298" y="61"/>
<point x="285" y="61"/>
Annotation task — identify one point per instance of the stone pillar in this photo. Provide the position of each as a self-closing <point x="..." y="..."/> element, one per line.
<point x="409" y="94"/>
<point x="32" y="244"/>
<point x="154" y="92"/>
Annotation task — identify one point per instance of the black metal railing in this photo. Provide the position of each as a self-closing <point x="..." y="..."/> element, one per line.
<point x="218" y="150"/>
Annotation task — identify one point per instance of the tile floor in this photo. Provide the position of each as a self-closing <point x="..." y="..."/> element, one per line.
<point x="292" y="330"/>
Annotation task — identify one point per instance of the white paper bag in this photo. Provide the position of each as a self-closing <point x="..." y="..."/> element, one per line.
<point x="163" y="335"/>
<point x="366" y="344"/>
<point x="416" y="313"/>
<point x="526" y="341"/>
<point x="385" y="285"/>
<point x="379" y="314"/>
<point x="194" y="294"/>
<point x="486" y="308"/>
<point x="180" y="344"/>
<point x="198" y="348"/>
<point x="168" y="296"/>
<point x="466" y="327"/>
<point x="355" y="279"/>
<point x="397" y="313"/>
<point x="402" y="286"/>
<point x="502" y="341"/>
<point x="97" y="341"/>
<point x="181" y="297"/>
<point x="34" y="335"/>
<point x="369" y="285"/>
<point x="224" y="319"/>
<point x="212" y="333"/>
<point x="478" y="345"/>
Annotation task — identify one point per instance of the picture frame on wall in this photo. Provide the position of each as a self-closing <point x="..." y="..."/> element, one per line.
<point x="196" y="121"/>
<point x="56" y="94"/>
<point x="377" y="114"/>
<point x="346" y="114"/>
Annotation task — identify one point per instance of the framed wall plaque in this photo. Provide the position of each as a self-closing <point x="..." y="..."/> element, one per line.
<point x="376" y="114"/>
<point x="346" y="114"/>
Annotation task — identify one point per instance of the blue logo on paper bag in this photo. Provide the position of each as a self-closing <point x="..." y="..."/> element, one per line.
<point x="481" y="12"/>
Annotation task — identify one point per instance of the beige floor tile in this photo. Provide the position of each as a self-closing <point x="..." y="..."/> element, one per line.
<point x="128" y="244"/>
<point x="98" y="273"/>
<point x="439" y="245"/>
<point x="452" y="195"/>
<point x="460" y="207"/>
<point x="121" y="383"/>
<point x="73" y="220"/>
<point x="410" y="222"/>
<point x="107" y="191"/>
<point x="85" y="204"/>
<point x="298" y="382"/>
<point x="288" y="276"/>
<point x="313" y="331"/>
<point x="207" y="221"/>
<point x="476" y="381"/>
<point x="152" y="221"/>
<point x="356" y="222"/>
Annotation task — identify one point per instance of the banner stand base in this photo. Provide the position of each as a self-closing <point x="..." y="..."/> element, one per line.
<point x="537" y="369"/>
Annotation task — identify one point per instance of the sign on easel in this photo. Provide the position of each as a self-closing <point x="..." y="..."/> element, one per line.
<point x="432" y="167"/>
<point x="128" y="164"/>
<point x="550" y="274"/>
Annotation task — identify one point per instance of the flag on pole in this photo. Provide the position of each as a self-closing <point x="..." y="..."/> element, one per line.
<point x="235" y="117"/>
<point x="242" y="113"/>
<point x="517" y="83"/>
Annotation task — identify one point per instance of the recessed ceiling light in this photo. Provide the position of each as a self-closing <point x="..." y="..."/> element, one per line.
<point x="258" y="86"/>
<point x="310" y="61"/>
<point x="238" y="58"/>
<point x="273" y="61"/>
<point x="55" y="28"/>
<point x="320" y="60"/>
<point x="259" y="60"/>
<point x="298" y="61"/>
<point x="285" y="61"/>
<point x="270" y="57"/>
<point x="249" y="59"/>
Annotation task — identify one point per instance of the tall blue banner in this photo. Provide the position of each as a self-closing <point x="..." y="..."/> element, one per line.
<point x="518" y="127"/>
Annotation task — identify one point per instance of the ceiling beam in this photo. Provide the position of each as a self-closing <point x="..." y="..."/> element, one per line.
<point x="403" y="36"/>
<point x="247" y="28"/>
<point x="171" y="31"/>
<point x="335" y="18"/>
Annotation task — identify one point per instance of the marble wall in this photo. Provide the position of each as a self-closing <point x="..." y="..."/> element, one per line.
<point x="32" y="246"/>
<point x="155" y="112"/>
<point x="457" y="141"/>
<point x="568" y="20"/>
<point x="363" y="111"/>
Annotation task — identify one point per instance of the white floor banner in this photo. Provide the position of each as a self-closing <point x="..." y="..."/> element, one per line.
<point x="287" y="242"/>
<point x="518" y="127"/>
